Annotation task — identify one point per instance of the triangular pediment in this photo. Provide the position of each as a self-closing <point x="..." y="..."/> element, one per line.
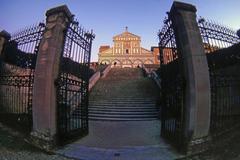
<point x="126" y="35"/>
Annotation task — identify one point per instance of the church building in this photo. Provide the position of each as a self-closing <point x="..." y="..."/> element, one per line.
<point x="127" y="52"/>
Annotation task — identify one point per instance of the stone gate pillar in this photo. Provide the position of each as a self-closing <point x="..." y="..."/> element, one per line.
<point x="195" y="66"/>
<point x="44" y="130"/>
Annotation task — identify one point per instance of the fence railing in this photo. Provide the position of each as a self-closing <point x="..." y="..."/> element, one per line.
<point x="225" y="111"/>
<point x="17" y="76"/>
<point x="216" y="36"/>
<point x="223" y="62"/>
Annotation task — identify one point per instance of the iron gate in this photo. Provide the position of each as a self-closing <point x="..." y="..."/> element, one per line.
<point x="73" y="82"/>
<point x="17" y="76"/>
<point x="224" y="64"/>
<point x="173" y="86"/>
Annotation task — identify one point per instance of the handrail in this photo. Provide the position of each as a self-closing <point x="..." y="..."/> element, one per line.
<point x="156" y="78"/>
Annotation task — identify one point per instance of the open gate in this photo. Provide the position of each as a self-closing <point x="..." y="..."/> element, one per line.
<point x="72" y="83"/>
<point x="17" y="76"/>
<point x="173" y="86"/>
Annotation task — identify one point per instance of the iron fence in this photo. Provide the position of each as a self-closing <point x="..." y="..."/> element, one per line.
<point x="73" y="83"/>
<point x="17" y="76"/>
<point x="223" y="57"/>
<point x="216" y="36"/>
<point x="173" y="86"/>
<point x="225" y="96"/>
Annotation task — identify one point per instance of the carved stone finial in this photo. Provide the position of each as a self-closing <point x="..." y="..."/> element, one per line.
<point x="126" y="29"/>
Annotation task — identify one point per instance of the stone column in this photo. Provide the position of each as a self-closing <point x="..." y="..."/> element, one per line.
<point x="44" y="130"/>
<point x="195" y="66"/>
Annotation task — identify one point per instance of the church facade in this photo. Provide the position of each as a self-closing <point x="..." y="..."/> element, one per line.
<point x="126" y="52"/>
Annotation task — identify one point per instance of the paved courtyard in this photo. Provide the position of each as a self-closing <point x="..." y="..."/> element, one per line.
<point x="136" y="140"/>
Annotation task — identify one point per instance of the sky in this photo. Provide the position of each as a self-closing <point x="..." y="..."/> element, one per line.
<point x="110" y="17"/>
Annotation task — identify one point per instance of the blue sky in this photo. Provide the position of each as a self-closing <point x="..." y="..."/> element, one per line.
<point x="109" y="17"/>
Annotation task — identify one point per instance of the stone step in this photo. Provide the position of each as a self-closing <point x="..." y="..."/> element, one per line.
<point x="92" y="116"/>
<point x="121" y="119"/>
<point x="120" y="100"/>
<point x="123" y="100"/>
<point x="109" y="97"/>
<point x="122" y="105"/>
<point x="124" y="113"/>
<point x="130" y="111"/>
<point x="124" y="109"/>
<point x="124" y="95"/>
<point x="145" y="98"/>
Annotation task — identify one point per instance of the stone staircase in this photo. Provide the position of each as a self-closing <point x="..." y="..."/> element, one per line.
<point x="124" y="95"/>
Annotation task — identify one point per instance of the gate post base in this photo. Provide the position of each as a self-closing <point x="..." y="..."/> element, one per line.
<point x="197" y="146"/>
<point x="44" y="141"/>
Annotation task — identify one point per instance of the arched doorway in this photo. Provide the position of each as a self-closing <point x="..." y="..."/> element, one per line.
<point x="137" y="63"/>
<point x="116" y="63"/>
<point x="105" y="61"/>
<point x="127" y="63"/>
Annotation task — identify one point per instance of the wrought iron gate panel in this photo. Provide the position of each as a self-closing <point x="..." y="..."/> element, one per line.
<point x="216" y="36"/>
<point x="73" y="82"/>
<point x="17" y="76"/>
<point x="173" y="86"/>
<point x="225" y="82"/>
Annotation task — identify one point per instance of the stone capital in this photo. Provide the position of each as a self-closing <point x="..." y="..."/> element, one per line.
<point x="60" y="9"/>
<point x="178" y="6"/>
